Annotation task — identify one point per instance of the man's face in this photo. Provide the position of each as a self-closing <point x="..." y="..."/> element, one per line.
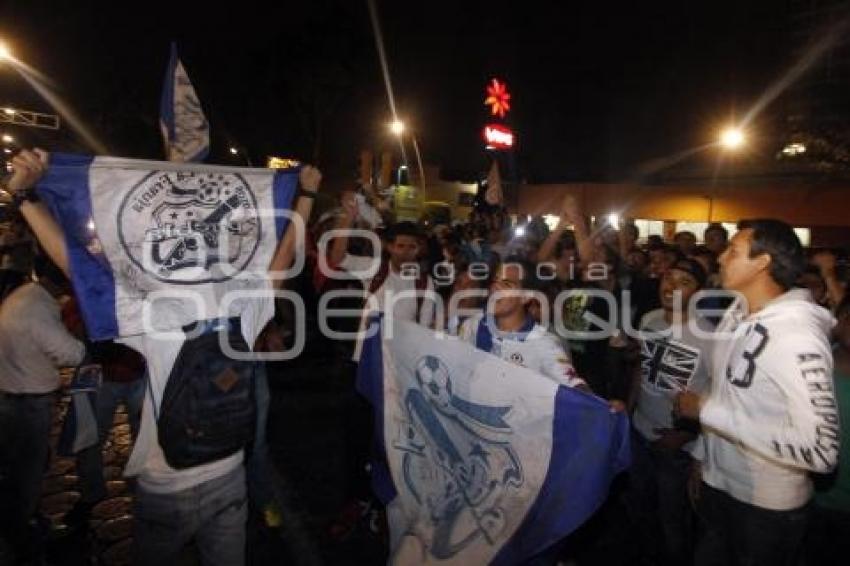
<point x="464" y="281"/>
<point x="659" y="262"/>
<point x="636" y="261"/>
<point x="508" y="279"/>
<point x="737" y="268"/>
<point x="674" y="282"/>
<point x="403" y="250"/>
<point x="686" y="242"/>
<point x="715" y="240"/>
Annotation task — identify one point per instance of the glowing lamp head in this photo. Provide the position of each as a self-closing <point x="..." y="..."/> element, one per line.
<point x="5" y="54"/>
<point x="397" y="127"/>
<point x="732" y="138"/>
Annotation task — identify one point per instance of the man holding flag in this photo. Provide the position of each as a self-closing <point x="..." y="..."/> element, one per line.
<point x="181" y="276"/>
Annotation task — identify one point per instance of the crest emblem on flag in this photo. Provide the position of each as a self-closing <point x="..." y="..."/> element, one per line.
<point x="190" y="228"/>
<point x="457" y="460"/>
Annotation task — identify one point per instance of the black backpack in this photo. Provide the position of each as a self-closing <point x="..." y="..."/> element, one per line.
<point x="208" y="410"/>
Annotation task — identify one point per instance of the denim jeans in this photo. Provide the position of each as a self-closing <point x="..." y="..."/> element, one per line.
<point x="738" y="534"/>
<point x="90" y="460"/>
<point x="261" y="475"/>
<point x="24" y="453"/>
<point x="658" y="502"/>
<point x="213" y="514"/>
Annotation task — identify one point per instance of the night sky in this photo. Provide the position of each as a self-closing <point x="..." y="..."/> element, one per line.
<point x="598" y="88"/>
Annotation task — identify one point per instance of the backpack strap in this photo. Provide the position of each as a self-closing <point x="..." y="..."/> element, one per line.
<point x="380" y="276"/>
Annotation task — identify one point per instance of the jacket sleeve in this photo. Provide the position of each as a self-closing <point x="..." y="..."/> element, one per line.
<point x="798" y="426"/>
<point x="57" y="343"/>
<point x="557" y="364"/>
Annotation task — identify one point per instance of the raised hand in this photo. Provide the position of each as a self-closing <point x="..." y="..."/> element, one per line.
<point x="310" y="178"/>
<point x="28" y="167"/>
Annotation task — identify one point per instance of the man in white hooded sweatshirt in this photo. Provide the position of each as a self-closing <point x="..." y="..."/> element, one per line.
<point x="770" y="418"/>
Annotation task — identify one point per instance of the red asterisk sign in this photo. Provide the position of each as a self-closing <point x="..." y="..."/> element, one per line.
<point x="498" y="98"/>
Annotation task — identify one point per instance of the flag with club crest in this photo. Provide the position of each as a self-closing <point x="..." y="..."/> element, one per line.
<point x="183" y="241"/>
<point x="480" y="461"/>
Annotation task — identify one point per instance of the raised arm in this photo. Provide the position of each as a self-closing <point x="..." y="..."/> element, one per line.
<point x="28" y="167"/>
<point x="571" y="211"/>
<point x="309" y="179"/>
<point x="547" y="248"/>
<point x="339" y="246"/>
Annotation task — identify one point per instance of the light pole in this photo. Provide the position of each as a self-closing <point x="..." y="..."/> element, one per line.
<point x="397" y="127"/>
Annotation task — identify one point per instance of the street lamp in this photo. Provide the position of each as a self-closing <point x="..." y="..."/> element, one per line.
<point x="7" y="138"/>
<point x="5" y="54"/>
<point x="397" y="127"/>
<point x="732" y="138"/>
<point x="234" y="151"/>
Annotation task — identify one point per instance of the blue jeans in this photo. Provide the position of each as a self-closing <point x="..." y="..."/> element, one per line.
<point x="658" y="502"/>
<point x="261" y="475"/>
<point x="90" y="460"/>
<point x="24" y="453"/>
<point x="212" y="513"/>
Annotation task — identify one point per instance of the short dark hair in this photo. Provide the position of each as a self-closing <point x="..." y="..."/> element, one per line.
<point x="716" y="227"/>
<point x="529" y="279"/>
<point x="778" y="240"/>
<point x="670" y="251"/>
<point x="654" y="241"/>
<point x="404" y="228"/>
<point x="702" y="251"/>
<point x="567" y="241"/>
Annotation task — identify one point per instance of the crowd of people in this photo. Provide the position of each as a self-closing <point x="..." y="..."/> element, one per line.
<point x="725" y="354"/>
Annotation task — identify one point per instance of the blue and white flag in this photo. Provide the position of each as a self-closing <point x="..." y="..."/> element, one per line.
<point x="484" y="462"/>
<point x="164" y="244"/>
<point x="185" y="130"/>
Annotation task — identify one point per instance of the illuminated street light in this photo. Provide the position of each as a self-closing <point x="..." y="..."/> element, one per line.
<point x="234" y="151"/>
<point x="7" y="138"/>
<point x="732" y="138"/>
<point x="397" y="127"/>
<point x="5" y="54"/>
<point x="793" y="149"/>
